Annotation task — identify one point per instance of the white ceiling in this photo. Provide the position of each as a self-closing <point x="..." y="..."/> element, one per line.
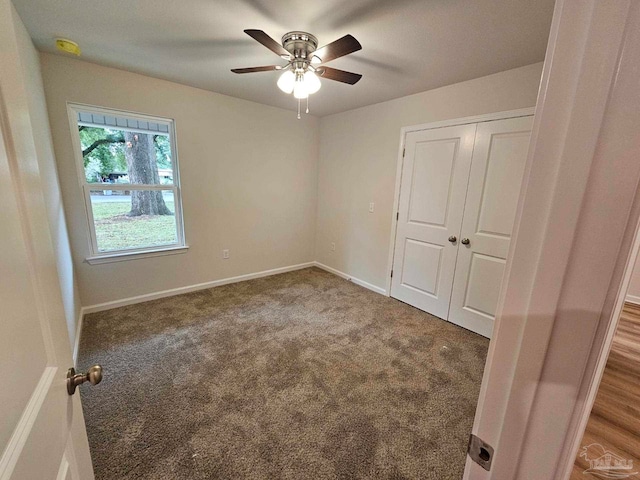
<point x="409" y="46"/>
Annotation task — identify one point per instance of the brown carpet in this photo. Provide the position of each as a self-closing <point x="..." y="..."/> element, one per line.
<point x="302" y="375"/>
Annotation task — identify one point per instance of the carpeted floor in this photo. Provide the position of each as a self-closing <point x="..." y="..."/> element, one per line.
<point x="302" y="375"/>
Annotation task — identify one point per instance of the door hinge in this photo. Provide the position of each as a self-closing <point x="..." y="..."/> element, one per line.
<point x="480" y="452"/>
<point x="397" y="216"/>
<point x="391" y="273"/>
<point x="403" y="151"/>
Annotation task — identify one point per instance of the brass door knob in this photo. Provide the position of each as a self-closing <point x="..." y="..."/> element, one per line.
<point x="453" y="239"/>
<point x="93" y="376"/>
<point x="465" y="241"/>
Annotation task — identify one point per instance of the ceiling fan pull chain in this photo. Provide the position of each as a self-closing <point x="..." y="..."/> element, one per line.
<point x="307" y="105"/>
<point x="298" y="109"/>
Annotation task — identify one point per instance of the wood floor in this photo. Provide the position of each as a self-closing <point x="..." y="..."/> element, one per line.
<point x="615" y="418"/>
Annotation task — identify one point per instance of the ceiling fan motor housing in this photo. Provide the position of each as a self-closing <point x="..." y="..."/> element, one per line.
<point x="301" y="46"/>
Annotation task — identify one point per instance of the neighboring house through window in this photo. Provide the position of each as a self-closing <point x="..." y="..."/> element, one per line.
<point x="129" y="175"/>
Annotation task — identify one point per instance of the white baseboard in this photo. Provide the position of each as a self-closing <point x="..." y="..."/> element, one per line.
<point x="355" y="280"/>
<point x="191" y="288"/>
<point x="202" y="286"/>
<point x="633" y="299"/>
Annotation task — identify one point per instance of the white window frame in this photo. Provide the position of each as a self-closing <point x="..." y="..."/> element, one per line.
<point x="96" y="256"/>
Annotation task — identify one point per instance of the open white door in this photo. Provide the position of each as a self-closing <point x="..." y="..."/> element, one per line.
<point x="42" y="430"/>
<point x="575" y="225"/>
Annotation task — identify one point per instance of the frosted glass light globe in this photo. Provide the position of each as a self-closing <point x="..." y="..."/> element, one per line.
<point x="300" y="89"/>
<point x="312" y="82"/>
<point x="286" y="81"/>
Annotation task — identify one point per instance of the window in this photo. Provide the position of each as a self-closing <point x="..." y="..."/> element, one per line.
<point x="129" y="176"/>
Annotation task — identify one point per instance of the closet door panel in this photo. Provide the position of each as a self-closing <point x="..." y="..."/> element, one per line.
<point x="497" y="168"/>
<point x="434" y="182"/>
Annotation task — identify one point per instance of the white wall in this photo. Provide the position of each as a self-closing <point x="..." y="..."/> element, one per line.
<point x="32" y="78"/>
<point x="358" y="157"/>
<point x="248" y="174"/>
<point x="274" y="190"/>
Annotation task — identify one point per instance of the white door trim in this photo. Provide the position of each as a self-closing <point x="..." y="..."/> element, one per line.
<point x="20" y="436"/>
<point x="575" y="228"/>
<point x="597" y="363"/>
<point x="522" y="112"/>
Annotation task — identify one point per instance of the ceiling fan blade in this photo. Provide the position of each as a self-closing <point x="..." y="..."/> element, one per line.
<point x="268" y="68"/>
<point x="267" y="41"/>
<point x="339" y="75"/>
<point x="341" y="47"/>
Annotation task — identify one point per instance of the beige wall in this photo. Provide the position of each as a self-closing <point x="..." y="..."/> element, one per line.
<point x="248" y="173"/>
<point x="274" y="190"/>
<point x="32" y="78"/>
<point x="358" y="158"/>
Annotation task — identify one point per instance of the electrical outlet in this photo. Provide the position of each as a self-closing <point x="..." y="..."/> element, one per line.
<point x="371" y="205"/>
<point x="225" y="254"/>
<point x="333" y="246"/>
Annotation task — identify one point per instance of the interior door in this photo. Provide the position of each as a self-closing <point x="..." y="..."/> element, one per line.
<point x="497" y="168"/>
<point x="41" y="429"/>
<point x="435" y="173"/>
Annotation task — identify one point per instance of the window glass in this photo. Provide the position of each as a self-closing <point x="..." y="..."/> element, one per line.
<point x="125" y="156"/>
<point x="129" y="178"/>
<point x="117" y="229"/>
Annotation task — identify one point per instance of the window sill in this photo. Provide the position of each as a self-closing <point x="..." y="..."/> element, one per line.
<point x="124" y="256"/>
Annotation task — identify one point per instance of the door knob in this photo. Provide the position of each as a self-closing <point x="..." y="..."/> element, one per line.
<point x="93" y="376"/>
<point x="465" y="241"/>
<point x="453" y="239"/>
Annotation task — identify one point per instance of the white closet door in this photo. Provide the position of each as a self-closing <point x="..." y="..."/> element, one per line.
<point x="497" y="167"/>
<point x="435" y="173"/>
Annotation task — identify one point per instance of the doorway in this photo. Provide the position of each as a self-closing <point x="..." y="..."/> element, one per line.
<point x="610" y="445"/>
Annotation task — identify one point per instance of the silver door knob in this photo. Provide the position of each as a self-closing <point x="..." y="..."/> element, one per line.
<point x="453" y="239"/>
<point x="93" y="376"/>
<point x="465" y="241"/>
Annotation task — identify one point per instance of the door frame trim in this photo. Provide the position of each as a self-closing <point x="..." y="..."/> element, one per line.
<point x="454" y="122"/>
<point x="581" y="196"/>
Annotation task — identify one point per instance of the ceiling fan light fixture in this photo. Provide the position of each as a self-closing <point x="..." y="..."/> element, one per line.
<point x="300" y="87"/>
<point x="286" y="81"/>
<point x="312" y="81"/>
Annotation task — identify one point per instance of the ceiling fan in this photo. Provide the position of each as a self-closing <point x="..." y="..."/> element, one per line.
<point x="305" y="62"/>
